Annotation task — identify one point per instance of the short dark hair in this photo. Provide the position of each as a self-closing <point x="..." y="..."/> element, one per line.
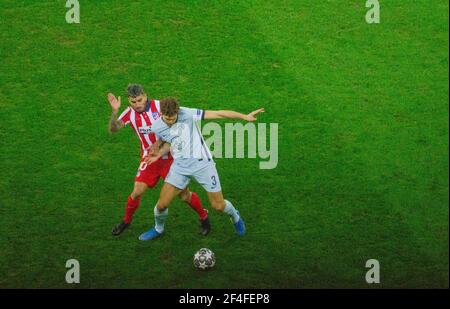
<point x="135" y="90"/>
<point x="169" y="107"/>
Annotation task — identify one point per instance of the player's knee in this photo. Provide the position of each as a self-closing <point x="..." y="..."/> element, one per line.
<point x="136" y="195"/>
<point x="218" y="205"/>
<point x="138" y="191"/>
<point x="184" y="196"/>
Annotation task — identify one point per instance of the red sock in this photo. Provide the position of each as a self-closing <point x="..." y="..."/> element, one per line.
<point x="131" y="207"/>
<point x="196" y="205"/>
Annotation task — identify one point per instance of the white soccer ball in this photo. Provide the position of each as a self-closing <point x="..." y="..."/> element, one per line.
<point x="204" y="259"/>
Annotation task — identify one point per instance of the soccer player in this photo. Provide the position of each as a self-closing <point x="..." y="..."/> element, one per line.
<point x="178" y="127"/>
<point x="140" y="115"/>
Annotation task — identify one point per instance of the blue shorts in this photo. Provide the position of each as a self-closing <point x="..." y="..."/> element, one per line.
<point x="204" y="172"/>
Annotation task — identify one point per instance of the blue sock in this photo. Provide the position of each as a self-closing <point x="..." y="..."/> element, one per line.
<point x="229" y="209"/>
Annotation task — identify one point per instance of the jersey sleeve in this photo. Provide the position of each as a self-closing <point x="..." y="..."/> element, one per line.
<point x="125" y="116"/>
<point x="196" y="114"/>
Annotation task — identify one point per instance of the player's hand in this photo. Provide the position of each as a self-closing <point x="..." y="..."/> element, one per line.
<point x="153" y="149"/>
<point x="252" y="116"/>
<point x="152" y="158"/>
<point x="114" y="102"/>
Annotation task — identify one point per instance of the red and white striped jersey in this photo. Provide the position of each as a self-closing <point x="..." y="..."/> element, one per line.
<point x="142" y="122"/>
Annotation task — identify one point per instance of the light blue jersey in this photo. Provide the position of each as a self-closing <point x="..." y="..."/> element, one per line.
<point x="192" y="157"/>
<point x="184" y="136"/>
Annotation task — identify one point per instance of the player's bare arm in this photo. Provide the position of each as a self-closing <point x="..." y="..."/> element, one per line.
<point x="155" y="156"/>
<point x="233" y="115"/>
<point x="114" y="123"/>
<point x="154" y="148"/>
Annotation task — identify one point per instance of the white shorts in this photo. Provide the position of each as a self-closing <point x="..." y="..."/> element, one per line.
<point x="204" y="172"/>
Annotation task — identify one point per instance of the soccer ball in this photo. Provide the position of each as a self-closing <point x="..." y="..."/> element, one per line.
<point x="204" y="259"/>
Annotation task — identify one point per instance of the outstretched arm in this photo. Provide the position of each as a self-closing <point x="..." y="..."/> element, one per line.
<point x="232" y="115"/>
<point x="114" y="123"/>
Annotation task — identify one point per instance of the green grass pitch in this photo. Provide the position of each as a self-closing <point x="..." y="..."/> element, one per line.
<point x="363" y="142"/>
